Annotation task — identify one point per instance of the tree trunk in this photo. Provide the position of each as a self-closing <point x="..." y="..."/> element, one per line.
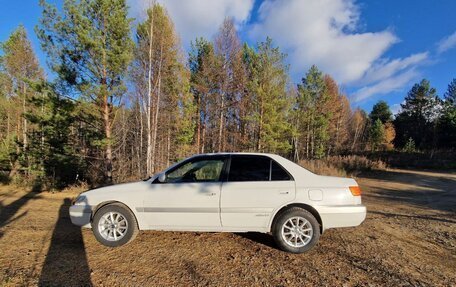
<point x="203" y="146"/>
<point x="157" y="109"/>
<point x="149" y="99"/>
<point x="168" y="145"/>
<point x="260" y="127"/>
<point x="107" y="126"/>
<point x="24" y="130"/>
<point x="198" y="129"/>
<point x="222" y="107"/>
<point x="141" y="143"/>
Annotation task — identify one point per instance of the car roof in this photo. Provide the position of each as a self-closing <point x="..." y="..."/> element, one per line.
<point x="234" y="153"/>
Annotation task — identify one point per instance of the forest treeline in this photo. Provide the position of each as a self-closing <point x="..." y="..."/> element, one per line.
<point x="124" y="101"/>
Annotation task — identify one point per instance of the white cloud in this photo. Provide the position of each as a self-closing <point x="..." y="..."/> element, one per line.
<point x="199" y="18"/>
<point x="386" y="86"/>
<point x="384" y="69"/>
<point x="396" y="109"/>
<point x="322" y="32"/>
<point x="447" y="43"/>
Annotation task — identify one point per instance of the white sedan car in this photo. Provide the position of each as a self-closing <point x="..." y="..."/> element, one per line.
<point x="225" y="192"/>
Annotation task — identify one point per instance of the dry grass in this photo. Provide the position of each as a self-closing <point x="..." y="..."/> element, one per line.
<point x="350" y="165"/>
<point x="408" y="239"/>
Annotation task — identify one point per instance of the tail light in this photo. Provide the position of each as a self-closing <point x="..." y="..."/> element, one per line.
<point x="355" y="190"/>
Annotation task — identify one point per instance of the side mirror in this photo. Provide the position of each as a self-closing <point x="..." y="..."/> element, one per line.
<point x="162" y="177"/>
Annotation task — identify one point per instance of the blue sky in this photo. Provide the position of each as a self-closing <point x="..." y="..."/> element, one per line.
<point x="376" y="49"/>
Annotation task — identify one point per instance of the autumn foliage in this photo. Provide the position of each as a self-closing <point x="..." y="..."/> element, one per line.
<point x="123" y="107"/>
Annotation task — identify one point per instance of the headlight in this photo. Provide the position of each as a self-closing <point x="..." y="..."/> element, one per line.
<point x="80" y="200"/>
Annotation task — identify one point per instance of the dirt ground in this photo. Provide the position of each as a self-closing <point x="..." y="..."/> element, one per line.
<point x="408" y="239"/>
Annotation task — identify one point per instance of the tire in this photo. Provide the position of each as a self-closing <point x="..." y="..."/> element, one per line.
<point x="114" y="225"/>
<point x="299" y="239"/>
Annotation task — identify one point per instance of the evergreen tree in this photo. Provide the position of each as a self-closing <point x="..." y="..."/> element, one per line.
<point x="267" y="85"/>
<point x="54" y="155"/>
<point x="376" y="134"/>
<point x="204" y="67"/>
<point x="89" y="47"/>
<point x="314" y="116"/>
<point x="450" y="94"/>
<point x="381" y="111"/>
<point x="447" y="122"/>
<point x="418" y="117"/>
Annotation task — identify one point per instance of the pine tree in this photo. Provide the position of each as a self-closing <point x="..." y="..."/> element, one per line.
<point x="314" y="116"/>
<point x="54" y="157"/>
<point x="381" y="111"/>
<point x="447" y="123"/>
<point x="203" y="66"/>
<point x="450" y="94"/>
<point x="376" y="134"/>
<point x="271" y="105"/>
<point x="89" y="47"/>
<point x="418" y="116"/>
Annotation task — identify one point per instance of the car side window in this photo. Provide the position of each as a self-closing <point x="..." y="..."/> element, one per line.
<point x="199" y="170"/>
<point x="278" y="172"/>
<point x="249" y="168"/>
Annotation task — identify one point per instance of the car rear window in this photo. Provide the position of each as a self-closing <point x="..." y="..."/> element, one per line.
<point x="249" y="168"/>
<point x="256" y="168"/>
<point x="278" y="172"/>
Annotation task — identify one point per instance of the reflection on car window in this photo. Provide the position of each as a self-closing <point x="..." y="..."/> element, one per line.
<point x="207" y="170"/>
<point x="249" y="168"/>
<point x="256" y="168"/>
<point x="278" y="173"/>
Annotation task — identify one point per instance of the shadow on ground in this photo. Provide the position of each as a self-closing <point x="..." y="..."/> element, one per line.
<point x="66" y="261"/>
<point x="262" y="238"/>
<point x="8" y="212"/>
<point x="435" y="192"/>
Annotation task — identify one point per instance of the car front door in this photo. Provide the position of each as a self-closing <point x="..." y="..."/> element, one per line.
<point x="189" y="198"/>
<point x="255" y="187"/>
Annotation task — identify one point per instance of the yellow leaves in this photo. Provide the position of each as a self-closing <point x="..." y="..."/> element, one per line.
<point x="390" y="134"/>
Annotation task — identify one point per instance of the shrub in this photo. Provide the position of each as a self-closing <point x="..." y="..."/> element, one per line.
<point x="342" y="165"/>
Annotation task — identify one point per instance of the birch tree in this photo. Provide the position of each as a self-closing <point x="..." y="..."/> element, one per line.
<point x="21" y="69"/>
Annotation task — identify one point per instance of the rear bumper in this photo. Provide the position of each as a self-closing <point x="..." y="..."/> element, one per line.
<point x="341" y="216"/>
<point x="80" y="215"/>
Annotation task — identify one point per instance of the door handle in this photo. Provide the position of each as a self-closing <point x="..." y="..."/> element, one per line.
<point x="284" y="192"/>
<point x="211" y="194"/>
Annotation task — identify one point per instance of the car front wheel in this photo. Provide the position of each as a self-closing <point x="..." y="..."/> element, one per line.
<point x="296" y="230"/>
<point x="114" y="225"/>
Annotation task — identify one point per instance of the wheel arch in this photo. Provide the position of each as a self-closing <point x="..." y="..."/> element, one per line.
<point x="104" y="203"/>
<point x="304" y="206"/>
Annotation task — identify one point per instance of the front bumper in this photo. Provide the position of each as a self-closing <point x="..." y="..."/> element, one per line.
<point x="341" y="215"/>
<point x="80" y="215"/>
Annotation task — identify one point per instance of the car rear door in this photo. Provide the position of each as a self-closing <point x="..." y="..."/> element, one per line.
<point x="255" y="187"/>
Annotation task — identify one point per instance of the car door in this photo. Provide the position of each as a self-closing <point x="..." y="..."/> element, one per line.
<point x="255" y="187"/>
<point x="189" y="198"/>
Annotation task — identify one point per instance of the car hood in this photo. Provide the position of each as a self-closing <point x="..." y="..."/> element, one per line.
<point x="111" y="190"/>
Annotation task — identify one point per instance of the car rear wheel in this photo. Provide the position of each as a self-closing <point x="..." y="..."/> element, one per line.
<point x="296" y="230"/>
<point x="114" y="225"/>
